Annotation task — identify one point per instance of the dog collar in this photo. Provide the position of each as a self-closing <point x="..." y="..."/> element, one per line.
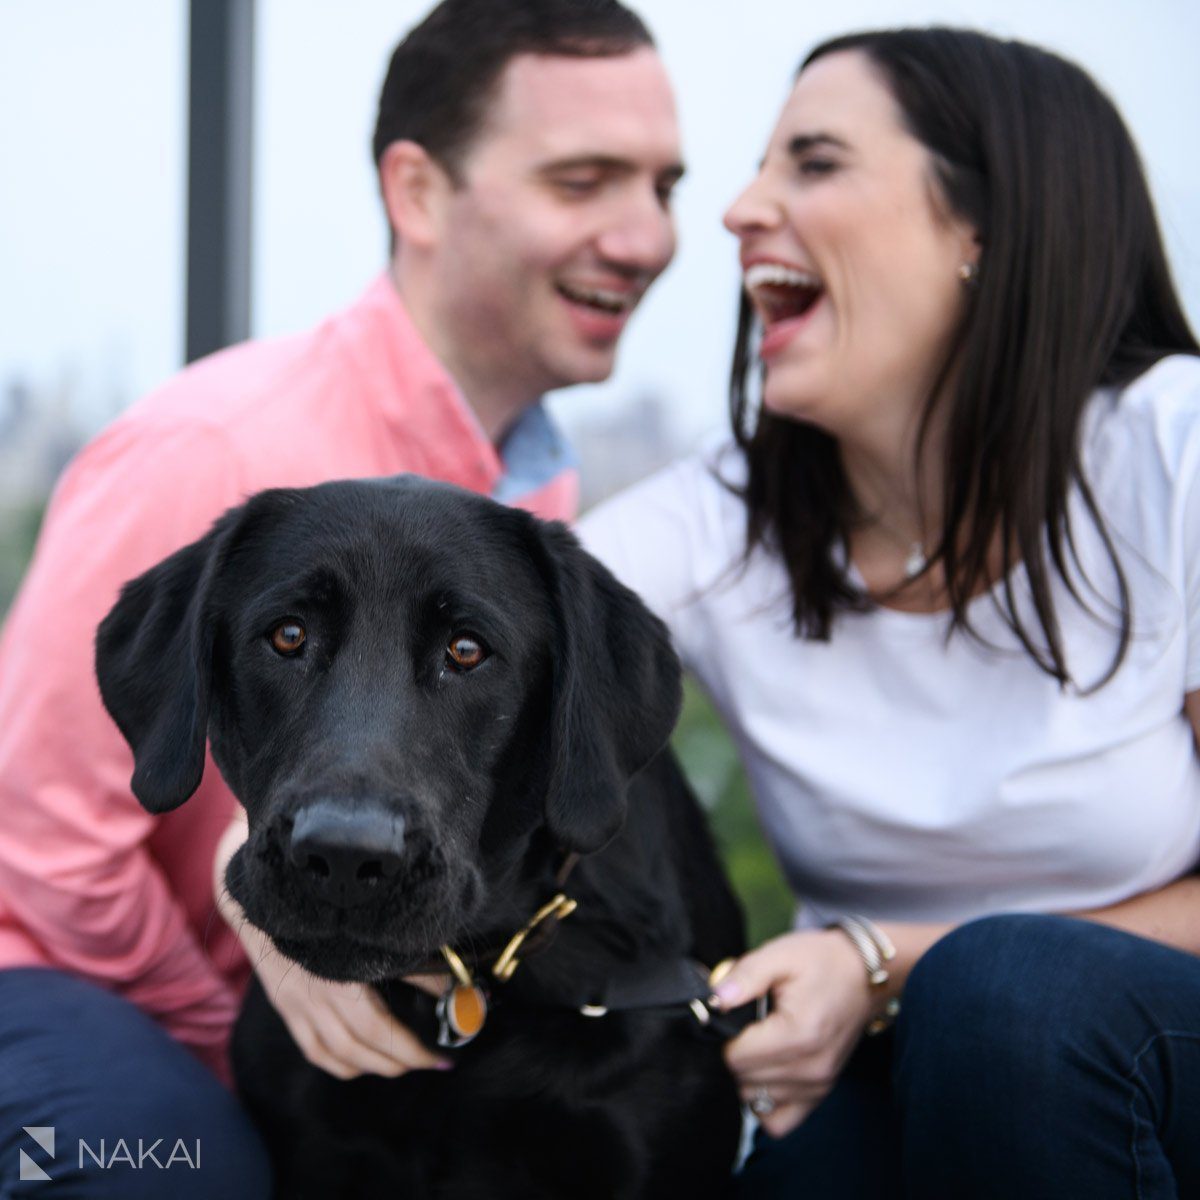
<point x="683" y="983"/>
<point x="680" y="984"/>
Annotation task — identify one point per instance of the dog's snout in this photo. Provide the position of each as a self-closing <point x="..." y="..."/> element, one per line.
<point x="346" y="854"/>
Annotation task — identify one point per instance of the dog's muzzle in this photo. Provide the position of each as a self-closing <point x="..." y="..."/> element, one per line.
<point x="346" y="856"/>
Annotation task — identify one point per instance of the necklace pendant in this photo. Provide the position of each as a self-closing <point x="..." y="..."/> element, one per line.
<point x="916" y="562"/>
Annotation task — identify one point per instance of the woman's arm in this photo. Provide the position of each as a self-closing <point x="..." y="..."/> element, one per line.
<point x="822" y="1001"/>
<point x="1169" y="914"/>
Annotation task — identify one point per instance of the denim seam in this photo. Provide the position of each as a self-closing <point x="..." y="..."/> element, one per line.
<point x="1135" y="1071"/>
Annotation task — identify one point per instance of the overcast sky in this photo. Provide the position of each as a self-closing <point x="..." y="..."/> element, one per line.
<point x="92" y="168"/>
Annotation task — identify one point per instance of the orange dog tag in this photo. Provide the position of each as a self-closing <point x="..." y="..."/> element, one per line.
<point x="461" y="1012"/>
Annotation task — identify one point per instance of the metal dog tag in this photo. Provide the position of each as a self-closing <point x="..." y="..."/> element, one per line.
<point x="461" y="1013"/>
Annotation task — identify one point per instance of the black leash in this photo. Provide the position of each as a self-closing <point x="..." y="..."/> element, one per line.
<point x="682" y="984"/>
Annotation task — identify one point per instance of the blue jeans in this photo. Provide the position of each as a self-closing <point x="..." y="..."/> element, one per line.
<point x="109" y="1082"/>
<point x="1035" y="1057"/>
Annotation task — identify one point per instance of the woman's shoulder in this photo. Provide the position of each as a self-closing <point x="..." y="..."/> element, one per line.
<point x="699" y="493"/>
<point x="716" y="468"/>
<point x="1167" y="393"/>
<point x="671" y="535"/>
<point x="1155" y="418"/>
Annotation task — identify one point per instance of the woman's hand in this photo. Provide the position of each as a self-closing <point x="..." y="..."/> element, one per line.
<point x="343" y="1028"/>
<point x="820" y="1004"/>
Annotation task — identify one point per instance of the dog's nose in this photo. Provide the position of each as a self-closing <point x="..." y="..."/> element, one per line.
<point x="346" y="854"/>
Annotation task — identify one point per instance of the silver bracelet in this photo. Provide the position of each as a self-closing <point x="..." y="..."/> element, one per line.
<point x="876" y="950"/>
<point x="873" y="945"/>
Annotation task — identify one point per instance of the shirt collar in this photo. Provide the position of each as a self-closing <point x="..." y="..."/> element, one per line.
<point x="424" y="403"/>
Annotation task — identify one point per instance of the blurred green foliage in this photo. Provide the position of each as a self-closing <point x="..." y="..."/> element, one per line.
<point x="19" y="527"/>
<point x="711" y="762"/>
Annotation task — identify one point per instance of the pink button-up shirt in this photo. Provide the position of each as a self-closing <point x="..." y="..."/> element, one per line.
<point x="89" y="882"/>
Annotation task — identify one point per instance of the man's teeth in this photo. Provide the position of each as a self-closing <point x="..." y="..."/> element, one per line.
<point x="777" y="275"/>
<point x="613" y="302"/>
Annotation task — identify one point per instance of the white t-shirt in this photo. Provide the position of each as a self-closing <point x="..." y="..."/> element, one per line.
<point x="915" y="778"/>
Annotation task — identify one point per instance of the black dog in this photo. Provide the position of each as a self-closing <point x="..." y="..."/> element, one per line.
<point x="438" y="713"/>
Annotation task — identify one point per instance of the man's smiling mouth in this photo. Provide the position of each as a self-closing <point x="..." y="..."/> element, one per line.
<point x="604" y="300"/>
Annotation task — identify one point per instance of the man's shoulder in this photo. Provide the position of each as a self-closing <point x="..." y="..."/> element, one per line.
<point x="347" y="352"/>
<point x="233" y="385"/>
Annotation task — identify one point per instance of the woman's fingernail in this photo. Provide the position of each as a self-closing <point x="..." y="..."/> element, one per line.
<point x="728" y="995"/>
<point x="443" y="1065"/>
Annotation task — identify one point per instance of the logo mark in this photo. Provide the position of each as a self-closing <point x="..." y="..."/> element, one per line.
<point x="44" y="1136"/>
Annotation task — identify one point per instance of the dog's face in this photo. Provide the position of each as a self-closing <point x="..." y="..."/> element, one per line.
<point x="411" y="689"/>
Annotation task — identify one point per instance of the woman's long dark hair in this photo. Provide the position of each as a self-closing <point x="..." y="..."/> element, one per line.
<point x="1073" y="292"/>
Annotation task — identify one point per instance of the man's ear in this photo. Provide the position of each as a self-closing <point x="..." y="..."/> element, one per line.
<point x="154" y="655"/>
<point x="414" y="187"/>
<point x="617" y="694"/>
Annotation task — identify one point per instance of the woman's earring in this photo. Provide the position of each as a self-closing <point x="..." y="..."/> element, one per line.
<point x="968" y="272"/>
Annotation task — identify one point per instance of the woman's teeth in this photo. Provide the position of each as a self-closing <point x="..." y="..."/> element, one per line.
<point x="780" y="292"/>
<point x="778" y="274"/>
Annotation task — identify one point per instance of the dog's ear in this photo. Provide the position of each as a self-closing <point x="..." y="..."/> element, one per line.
<point x="154" y="665"/>
<point x="617" y="694"/>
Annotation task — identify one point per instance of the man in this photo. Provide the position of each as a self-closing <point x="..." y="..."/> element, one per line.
<point x="526" y="154"/>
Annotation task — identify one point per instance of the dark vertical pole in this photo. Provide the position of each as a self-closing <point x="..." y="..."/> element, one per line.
<point x="220" y="129"/>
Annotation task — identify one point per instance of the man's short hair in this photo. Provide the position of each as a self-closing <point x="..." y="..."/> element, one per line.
<point x="444" y="72"/>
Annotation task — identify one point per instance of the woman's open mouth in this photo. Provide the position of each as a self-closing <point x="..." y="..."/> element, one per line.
<point x="782" y="296"/>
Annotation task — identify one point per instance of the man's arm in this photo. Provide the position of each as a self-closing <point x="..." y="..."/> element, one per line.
<point x="343" y="1028"/>
<point x="75" y="871"/>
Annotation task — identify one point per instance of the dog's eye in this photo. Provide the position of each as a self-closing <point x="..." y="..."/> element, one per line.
<point x="465" y="652"/>
<point x="288" y="637"/>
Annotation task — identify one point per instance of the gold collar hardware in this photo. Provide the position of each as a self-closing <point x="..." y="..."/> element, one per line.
<point x="458" y="968"/>
<point x="558" y="908"/>
<point x="462" y="1008"/>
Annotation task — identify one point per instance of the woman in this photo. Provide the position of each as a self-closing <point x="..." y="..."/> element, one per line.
<point x="945" y="591"/>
